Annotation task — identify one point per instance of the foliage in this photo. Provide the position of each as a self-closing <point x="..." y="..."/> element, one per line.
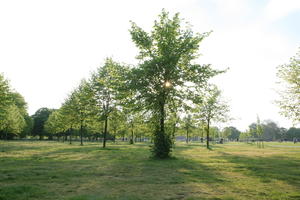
<point x="39" y="119"/>
<point x="55" y="123"/>
<point x="187" y="124"/>
<point x="232" y="133"/>
<point x="80" y="105"/>
<point x="13" y="111"/>
<point x="292" y="133"/>
<point x="212" y="109"/>
<point x="105" y="84"/>
<point x="166" y="71"/>
<point x="289" y="75"/>
<point x="259" y="132"/>
<point x="270" y="131"/>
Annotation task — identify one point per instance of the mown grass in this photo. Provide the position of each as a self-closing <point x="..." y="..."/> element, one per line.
<point x="52" y="170"/>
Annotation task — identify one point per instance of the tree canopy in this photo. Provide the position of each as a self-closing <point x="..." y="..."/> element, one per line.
<point x="289" y="76"/>
<point x="167" y="71"/>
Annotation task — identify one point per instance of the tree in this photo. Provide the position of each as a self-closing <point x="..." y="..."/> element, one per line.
<point x="5" y="99"/>
<point x="166" y="71"/>
<point x="68" y="113"/>
<point x="106" y="83"/>
<point x="289" y="75"/>
<point x="80" y="105"/>
<point x="13" y="122"/>
<point x="188" y="125"/>
<point x="55" y="124"/>
<point x="271" y="131"/>
<point x="246" y="135"/>
<point x="292" y="133"/>
<point x="39" y="119"/>
<point x="259" y="131"/>
<point x="232" y="133"/>
<point x="28" y="126"/>
<point x="13" y="111"/>
<point x="212" y="108"/>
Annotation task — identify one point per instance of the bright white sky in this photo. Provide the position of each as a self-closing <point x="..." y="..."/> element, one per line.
<point x="47" y="47"/>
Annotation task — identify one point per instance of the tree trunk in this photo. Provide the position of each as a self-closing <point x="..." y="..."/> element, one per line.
<point x="6" y="135"/>
<point x="207" y="134"/>
<point x="70" y="137"/>
<point x="81" y="127"/>
<point x="173" y="132"/>
<point x="132" y="134"/>
<point x="162" y="118"/>
<point x="105" y="131"/>
<point x="187" y="136"/>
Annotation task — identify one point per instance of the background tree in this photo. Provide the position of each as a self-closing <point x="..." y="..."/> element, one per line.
<point x="289" y="75"/>
<point x="27" y="130"/>
<point x="68" y="112"/>
<point x="13" y="111"/>
<point x="232" y="133"/>
<point x="212" y="108"/>
<point x="13" y="122"/>
<point x="5" y="99"/>
<point x="106" y="83"/>
<point x="187" y="126"/>
<point x="292" y="133"/>
<point x="271" y="131"/>
<point x="165" y="68"/>
<point x="80" y="103"/>
<point x="259" y="131"/>
<point x="39" y="119"/>
<point x="55" y="124"/>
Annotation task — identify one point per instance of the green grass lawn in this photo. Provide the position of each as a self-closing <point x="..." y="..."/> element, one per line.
<point x="52" y="170"/>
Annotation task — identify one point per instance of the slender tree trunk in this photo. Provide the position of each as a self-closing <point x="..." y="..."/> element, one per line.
<point x="70" y="137"/>
<point x="187" y="135"/>
<point x="6" y="135"/>
<point x="81" y="129"/>
<point x="132" y="133"/>
<point x="105" y="131"/>
<point x="173" y="132"/>
<point x="207" y="134"/>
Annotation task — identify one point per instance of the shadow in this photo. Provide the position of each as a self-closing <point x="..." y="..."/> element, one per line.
<point x="86" y="172"/>
<point x="266" y="169"/>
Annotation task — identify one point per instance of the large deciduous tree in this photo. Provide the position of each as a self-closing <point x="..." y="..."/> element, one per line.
<point x="166" y="71"/>
<point x="289" y="75"/>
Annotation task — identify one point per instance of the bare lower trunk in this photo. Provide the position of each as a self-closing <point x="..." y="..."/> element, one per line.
<point x="105" y="132"/>
<point x="207" y="134"/>
<point x="70" y="137"/>
<point x="81" y="129"/>
<point x="187" y="136"/>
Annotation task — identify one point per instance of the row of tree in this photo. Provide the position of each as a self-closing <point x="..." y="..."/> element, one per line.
<point x="136" y="129"/>
<point x="14" y="119"/>
<point x="164" y="86"/>
<point x="165" y="93"/>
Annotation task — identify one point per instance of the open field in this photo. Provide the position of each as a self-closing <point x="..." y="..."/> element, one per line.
<point x="52" y="170"/>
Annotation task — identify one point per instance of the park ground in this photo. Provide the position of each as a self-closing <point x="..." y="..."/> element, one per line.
<point x="56" y="170"/>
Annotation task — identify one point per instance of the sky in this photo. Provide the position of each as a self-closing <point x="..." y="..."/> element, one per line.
<point x="47" y="47"/>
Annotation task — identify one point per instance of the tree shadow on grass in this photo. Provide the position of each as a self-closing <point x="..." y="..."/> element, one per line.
<point x="114" y="173"/>
<point x="281" y="168"/>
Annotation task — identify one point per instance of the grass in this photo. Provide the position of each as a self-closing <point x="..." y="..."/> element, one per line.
<point x="52" y="170"/>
